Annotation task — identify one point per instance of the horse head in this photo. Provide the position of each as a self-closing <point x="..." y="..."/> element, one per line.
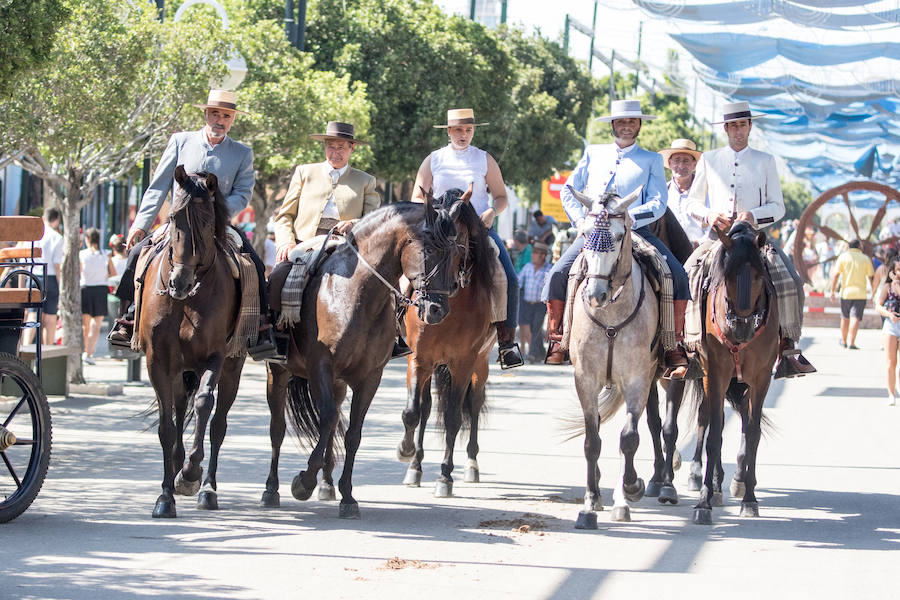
<point x="197" y="218"/>
<point x="741" y="271"/>
<point x="607" y="258"/>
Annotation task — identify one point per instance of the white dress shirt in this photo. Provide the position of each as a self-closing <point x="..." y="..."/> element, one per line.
<point x="678" y="203"/>
<point x="331" y="209"/>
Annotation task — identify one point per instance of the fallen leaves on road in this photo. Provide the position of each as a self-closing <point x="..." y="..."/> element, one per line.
<point x="527" y="523"/>
<point x="396" y="563"/>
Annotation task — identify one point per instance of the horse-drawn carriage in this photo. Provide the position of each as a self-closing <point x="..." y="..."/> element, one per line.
<point x="25" y="429"/>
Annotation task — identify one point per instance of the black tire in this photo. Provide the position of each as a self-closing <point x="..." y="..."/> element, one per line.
<point x="27" y="416"/>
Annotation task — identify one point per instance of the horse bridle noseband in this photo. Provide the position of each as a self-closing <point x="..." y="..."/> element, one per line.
<point x="760" y="322"/>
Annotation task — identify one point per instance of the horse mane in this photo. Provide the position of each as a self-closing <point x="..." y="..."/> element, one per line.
<point x="479" y="249"/>
<point x="743" y="252"/>
<point x="385" y="213"/>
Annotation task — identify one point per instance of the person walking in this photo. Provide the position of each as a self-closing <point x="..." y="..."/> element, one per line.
<point x="456" y="166"/>
<point x="887" y="304"/>
<point x="51" y="245"/>
<point x="96" y="269"/>
<point x="854" y="270"/>
<point x="531" y="310"/>
<point x="521" y="251"/>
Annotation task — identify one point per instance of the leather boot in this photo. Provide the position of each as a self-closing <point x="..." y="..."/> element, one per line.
<point x="676" y="360"/>
<point x="401" y="348"/>
<point x="509" y="354"/>
<point x="120" y="335"/>
<point x="791" y="363"/>
<point x="267" y="347"/>
<point x="555" y="355"/>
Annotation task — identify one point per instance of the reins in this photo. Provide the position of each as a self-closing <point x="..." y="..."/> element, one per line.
<point x="401" y="298"/>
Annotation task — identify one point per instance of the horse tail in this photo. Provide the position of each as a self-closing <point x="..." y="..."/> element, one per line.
<point x="303" y="413"/>
<point x="697" y="401"/>
<point x="191" y="384"/>
<point x="608" y="402"/>
<point x="473" y="406"/>
<point x="443" y="381"/>
<point x="735" y="395"/>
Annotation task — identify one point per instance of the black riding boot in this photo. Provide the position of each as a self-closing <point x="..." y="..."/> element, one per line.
<point x="267" y="345"/>
<point x="400" y="348"/>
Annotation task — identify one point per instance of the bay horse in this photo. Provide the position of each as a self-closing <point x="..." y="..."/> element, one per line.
<point x="189" y="307"/>
<point x="456" y="350"/>
<point x="616" y="315"/>
<point x="740" y="347"/>
<point x="346" y="333"/>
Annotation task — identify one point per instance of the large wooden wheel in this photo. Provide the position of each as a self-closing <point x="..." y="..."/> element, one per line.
<point x="869" y="244"/>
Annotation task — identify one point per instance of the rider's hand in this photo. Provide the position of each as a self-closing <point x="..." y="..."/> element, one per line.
<point x="134" y="237"/>
<point x="487" y="217"/>
<point x="747" y="216"/>
<point x="282" y="254"/>
<point x="721" y="221"/>
<point x="343" y="227"/>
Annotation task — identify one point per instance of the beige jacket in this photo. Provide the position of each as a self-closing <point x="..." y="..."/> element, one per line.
<point x="310" y="189"/>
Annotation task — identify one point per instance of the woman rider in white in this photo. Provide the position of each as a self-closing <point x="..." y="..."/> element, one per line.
<point x="458" y="165"/>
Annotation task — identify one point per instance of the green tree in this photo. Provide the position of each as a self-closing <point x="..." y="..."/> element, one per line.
<point x="27" y="32"/>
<point x="796" y="198"/>
<point x="115" y="84"/>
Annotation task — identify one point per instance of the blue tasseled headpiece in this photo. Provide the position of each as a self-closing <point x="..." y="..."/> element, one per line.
<point x="600" y="239"/>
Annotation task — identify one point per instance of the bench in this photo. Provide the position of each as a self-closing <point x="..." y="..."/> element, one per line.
<point x="54" y="366"/>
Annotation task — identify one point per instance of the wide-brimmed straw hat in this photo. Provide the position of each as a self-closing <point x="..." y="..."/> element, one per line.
<point x="335" y="130"/>
<point x="626" y="109"/>
<point x="680" y="146"/>
<point x="460" y="116"/>
<point x="736" y="111"/>
<point x="223" y="99"/>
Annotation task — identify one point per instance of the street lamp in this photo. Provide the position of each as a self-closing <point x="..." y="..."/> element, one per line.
<point x="237" y="66"/>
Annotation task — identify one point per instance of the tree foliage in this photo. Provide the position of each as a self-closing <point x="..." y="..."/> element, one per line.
<point x="27" y="33"/>
<point x="796" y="198"/>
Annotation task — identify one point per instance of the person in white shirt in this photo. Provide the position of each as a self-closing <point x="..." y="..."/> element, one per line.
<point x="96" y="269"/>
<point x="739" y="183"/>
<point x="51" y="245"/>
<point x="681" y="158"/>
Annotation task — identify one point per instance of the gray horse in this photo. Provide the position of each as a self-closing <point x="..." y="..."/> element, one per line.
<point x="615" y="317"/>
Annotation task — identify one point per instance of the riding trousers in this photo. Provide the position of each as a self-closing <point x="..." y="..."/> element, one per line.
<point x="558" y="279"/>
<point x="125" y="291"/>
<point x="512" y="282"/>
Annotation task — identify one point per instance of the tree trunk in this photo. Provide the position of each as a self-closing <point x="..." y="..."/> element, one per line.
<point x="69" y="279"/>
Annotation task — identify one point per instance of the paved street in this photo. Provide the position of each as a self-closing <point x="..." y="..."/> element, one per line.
<point x="829" y="485"/>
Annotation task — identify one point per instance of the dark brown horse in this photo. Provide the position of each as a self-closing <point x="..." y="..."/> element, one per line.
<point x="189" y="305"/>
<point x="346" y="333"/>
<point x="456" y="350"/>
<point x="740" y="347"/>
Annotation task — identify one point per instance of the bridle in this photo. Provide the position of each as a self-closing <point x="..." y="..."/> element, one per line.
<point x="195" y="224"/>
<point x="759" y="318"/>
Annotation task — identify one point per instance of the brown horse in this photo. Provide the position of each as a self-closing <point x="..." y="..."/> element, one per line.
<point x="740" y="347"/>
<point x="189" y="305"/>
<point x="347" y="331"/>
<point x="457" y="351"/>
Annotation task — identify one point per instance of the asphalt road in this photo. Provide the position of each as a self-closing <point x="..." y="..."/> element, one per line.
<point x="829" y="525"/>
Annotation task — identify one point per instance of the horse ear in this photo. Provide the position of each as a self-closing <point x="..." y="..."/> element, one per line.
<point x="430" y="213"/>
<point x="212" y="183"/>
<point x="760" y="239"/>
<point x="180" y="174"/>
<point x="723" y="237"/>
<point x="468" y="193"/>
<point x="588" y="204"/>
<point x="623" y="204"/>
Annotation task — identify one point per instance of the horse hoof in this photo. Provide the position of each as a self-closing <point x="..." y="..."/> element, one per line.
<point x="703" y="516"/>
<point x="676" y="460"/>
<point x="737" y="488"/>
<point x="184" y="487"/>
<point x="298" y="490"/>
<point x="668" y="495"/>
<point x="716" y="499"/>
<point x="326" y="492"/>
<point x="270" y="499"/>
<point x="749" y="509"/>
<point x="653" y="489"/>
<point x="413" y="478"/>
<point x="636" y="491"/>
<point x="472" y="475"/>
<point x="586" y="520"/>
<point x="164" y="509"/>
<point x="349" y="510"/>
<point x="621" y="514"/>
<point x="443" y="489"/>
<point x="404" y="456"/>
<point x="695" y="482"/>
<point x="207" y="500"/>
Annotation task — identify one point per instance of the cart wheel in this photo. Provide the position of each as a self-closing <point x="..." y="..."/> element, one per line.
<point x="25" y="436"/>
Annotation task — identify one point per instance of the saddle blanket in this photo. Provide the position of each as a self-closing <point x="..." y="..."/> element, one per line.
<point x="301" y="259"/>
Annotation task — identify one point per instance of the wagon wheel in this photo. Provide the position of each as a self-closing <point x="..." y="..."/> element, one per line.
<point x="865" y="236"/>
<point x="25" y="434"/>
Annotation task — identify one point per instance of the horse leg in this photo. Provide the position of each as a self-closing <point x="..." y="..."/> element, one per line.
<point x="630" y="487"/>
<point x="715" y="392"/>
<point x="276" y="395"/>
<point x="163" y="384"/>
<point x="359" y="406"/>
<point x="452" y="402"/>
<point x="654" y="423"/>
<point x="326" y="487"/>
<point x="695" y="479"/>
<point x="674" y="394"/>
<point x="321" y="390"/>
<point x="414" y="375"/>
<point x="587" y="394"/>
<point x="737" y="483"/>
<point x="717" y="497"/>
<point x="414" y="472"/>
<point x="187" y="483"/>
<point x="227" y="392"/>
<point x="749" y="504"/>
<point x="475" y="398"/>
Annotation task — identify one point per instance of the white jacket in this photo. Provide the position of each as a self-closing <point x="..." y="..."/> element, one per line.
<point x="737" y="182"/>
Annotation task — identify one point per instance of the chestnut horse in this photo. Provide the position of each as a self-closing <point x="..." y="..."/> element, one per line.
<point x="346" y="332"/>
<point x="740" y="347"/>
<point x="189" y="306"/>
<point x="457" y="351"/>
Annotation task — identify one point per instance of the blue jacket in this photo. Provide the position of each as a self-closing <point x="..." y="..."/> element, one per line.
<point x="637" y="168"/>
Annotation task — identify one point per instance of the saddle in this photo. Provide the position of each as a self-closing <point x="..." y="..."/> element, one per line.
<point x="288" y="280"/>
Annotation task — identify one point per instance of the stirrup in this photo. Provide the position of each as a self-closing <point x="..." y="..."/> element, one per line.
<point x="400" y="348"/>
<point x="265" y="348"/>
<point x="509" y="356"/>
<point x="555" y="355"/>
<point x="793" y="364"/>
<point x="120" y="336"/>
